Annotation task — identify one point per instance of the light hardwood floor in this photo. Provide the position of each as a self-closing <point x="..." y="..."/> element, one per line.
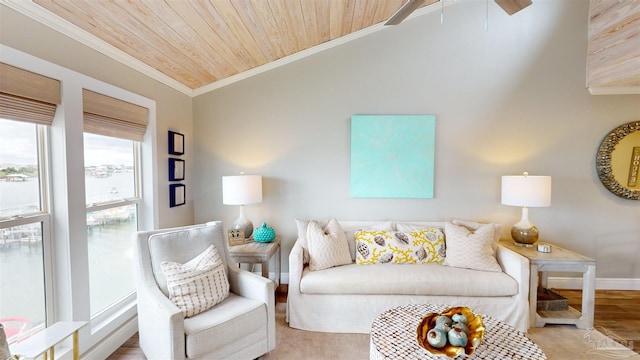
<point x="617" y="314"/>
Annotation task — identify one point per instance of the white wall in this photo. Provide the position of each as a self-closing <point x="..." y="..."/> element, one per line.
<point x="507" y="100"/>
<point x="174" y="109"/>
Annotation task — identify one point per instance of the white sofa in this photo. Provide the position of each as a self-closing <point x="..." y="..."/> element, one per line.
<point x="341" y="299"/>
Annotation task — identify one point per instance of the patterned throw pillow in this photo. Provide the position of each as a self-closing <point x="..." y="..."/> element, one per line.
<point x="472" y="250"/>
<point x="394" y="247"/>
<point x="328" y="247"/>
<point x="199" y="284"/>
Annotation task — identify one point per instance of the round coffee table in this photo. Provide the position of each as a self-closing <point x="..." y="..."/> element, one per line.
<point x="393" y="336"/>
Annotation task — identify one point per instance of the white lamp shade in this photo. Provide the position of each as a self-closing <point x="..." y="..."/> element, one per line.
<point x="241" y="189"/>
<point x="525" y="190"/>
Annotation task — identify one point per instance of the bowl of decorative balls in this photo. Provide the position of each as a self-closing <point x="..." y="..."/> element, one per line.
<point x="455" y="331"/>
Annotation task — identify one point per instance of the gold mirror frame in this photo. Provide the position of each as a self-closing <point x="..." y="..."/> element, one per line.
<point x="603" y="161"/>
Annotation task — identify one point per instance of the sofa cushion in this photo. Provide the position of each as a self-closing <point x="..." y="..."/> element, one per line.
<point x="407" y="279"/>
<point x="228" y="322"/>
<point x="472" y="250"/>
<point x="426" y="245"/>
<point x="197" y="285"/>
<point x="327" y="247"/>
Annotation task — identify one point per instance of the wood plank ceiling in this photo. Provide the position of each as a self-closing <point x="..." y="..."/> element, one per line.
<point x="199" y="42"/>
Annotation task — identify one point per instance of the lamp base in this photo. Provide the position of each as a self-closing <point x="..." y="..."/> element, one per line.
<point x="525" y="237"/>
<point x="244" y="225"/>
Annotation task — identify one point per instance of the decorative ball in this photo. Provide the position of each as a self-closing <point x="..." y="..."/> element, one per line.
<point x="462" y="326"/>
<point x="437" y="338"/>
<point x="457" y="337"/>
<point x="264" y="234"/>
<point x="460" y="318"/>
<point x="443" y="319"/>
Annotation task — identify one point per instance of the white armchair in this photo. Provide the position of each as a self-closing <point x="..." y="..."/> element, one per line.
<point x="240" y="327"/>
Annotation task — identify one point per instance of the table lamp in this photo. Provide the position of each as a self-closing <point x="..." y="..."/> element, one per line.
<point x="242" y="190"/>
<point x="526" y="191"/>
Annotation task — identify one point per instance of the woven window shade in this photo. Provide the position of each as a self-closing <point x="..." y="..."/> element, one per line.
<point x="104" y="115"/>
<point x="27" y="96"/>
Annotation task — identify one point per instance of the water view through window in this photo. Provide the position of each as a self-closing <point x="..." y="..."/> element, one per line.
<point x="22" y="277"/>
<point x="111" y="222"/>
<point x="110" y="177"/>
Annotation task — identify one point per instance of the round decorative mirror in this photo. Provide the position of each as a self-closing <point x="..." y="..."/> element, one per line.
<point x="618" y="161"/>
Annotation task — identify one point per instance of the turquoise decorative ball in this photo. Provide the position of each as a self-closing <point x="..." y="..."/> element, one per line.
<point x="264" y="234"/>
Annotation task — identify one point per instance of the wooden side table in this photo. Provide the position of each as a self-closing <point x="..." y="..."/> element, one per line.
<point x="253" y="252"/>
<point x="560" y="260"/>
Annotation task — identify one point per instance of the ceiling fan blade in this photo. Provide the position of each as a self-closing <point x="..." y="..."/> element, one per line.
<point x="513" y="6"/>
<point x="402" y="13"/>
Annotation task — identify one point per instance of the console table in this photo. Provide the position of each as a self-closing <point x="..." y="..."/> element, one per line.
<point x="253" y="252"/>
<point x="48" y="338"/>
<point x="559" y="260"/>
<point x="394" y="337"/>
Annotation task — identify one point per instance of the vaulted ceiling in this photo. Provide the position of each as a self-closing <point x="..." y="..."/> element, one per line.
<point x="197" y="45"/>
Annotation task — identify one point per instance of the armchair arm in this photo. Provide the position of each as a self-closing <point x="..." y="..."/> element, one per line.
<point x="516" y="266"/>
<point x="161" y="322"/>
<point x="256" y="287"/>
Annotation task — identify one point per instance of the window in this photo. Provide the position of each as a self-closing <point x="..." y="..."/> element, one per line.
<point x="24" y="221"/>
<point x="90" y="245"/>
<point x="111" y="187"/>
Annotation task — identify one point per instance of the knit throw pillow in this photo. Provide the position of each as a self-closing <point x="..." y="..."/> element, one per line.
<point x="199" y="284"/>
<point x="426" y="245"/>
<point x="327" y="247"/>
<point x="472" y="250"/>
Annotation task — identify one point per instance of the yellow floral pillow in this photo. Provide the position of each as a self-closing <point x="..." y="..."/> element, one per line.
<point x="395" y="247"/>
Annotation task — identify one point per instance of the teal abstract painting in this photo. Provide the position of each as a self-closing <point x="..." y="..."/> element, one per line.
<point x="392" y="156"/>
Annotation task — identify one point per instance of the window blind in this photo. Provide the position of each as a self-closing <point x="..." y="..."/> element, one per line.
<point x="104" y="115"/>
<point x="27" y="96"/>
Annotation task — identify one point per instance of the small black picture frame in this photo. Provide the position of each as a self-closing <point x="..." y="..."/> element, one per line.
<point x="176" y="143"/>
<point x="177" y="195"/>
<point x="176" y="169"/>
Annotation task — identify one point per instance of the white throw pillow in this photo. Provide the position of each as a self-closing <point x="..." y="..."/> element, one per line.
<point x="199" y="284"/>
<point x="302" y="226"/>
<point x="474" y="225"/>
<point x="328" y="247"/>
<point x="471" y="250"/>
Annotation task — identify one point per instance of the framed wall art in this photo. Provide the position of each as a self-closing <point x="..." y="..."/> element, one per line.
<point x="392" y="156"/>
<point x="176" y="143"/>
<point x="177" y="195"/>
<point x="176" y="169"/>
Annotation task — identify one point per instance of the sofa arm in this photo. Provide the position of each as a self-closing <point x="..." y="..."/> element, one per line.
<point x="162" y="324"/>
<point x="516" y="266"/>
<point x="296" y="266"/>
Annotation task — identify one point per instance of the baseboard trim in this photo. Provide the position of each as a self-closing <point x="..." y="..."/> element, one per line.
<point x="601" y="283"/>
<point x="111" y="343"/>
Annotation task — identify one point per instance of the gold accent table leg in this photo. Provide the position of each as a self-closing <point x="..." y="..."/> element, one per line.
<point x="76" y="349"/>
<point x="51" y="349"/>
